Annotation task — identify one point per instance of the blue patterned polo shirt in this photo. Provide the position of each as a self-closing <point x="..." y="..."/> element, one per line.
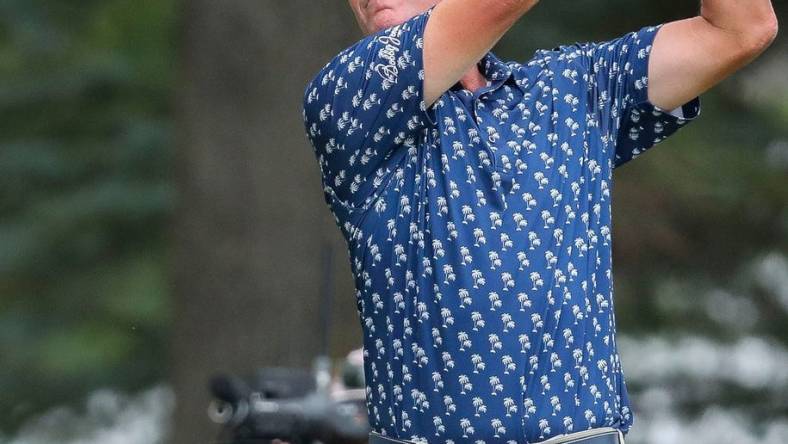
<point x="479" y="231"/>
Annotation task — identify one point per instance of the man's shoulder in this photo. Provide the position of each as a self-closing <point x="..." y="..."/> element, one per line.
<point x="563" y="52"/>
<point x="395" y="40"/>
<point x="340" y="58"/>
<point x="572" y="54"/>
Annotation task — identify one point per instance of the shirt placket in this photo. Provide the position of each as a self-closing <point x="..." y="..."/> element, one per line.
<point x="499" y="149"/>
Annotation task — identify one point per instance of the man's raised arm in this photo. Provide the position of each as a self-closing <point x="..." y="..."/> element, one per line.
<point x="690" y="56"/>
<point x="458" y="35"/>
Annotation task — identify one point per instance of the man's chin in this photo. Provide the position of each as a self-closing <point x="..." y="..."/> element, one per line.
<point x="385" y="19"/>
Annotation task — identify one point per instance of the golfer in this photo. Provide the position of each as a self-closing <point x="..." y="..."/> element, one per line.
<point x="475" y="198"/>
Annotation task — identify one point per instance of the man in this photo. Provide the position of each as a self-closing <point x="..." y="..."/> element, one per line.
<point x="474" y="195"/>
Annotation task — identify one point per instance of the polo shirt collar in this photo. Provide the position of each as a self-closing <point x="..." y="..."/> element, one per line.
<point x="495" y="70"/>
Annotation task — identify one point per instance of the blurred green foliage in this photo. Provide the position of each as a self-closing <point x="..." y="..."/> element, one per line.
<point x="85" y="193"/>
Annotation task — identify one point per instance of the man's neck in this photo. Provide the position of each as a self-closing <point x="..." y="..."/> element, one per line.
<point x="473" y="79"/>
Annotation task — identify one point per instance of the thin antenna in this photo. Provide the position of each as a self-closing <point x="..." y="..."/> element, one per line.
<point x="326" y="291"/>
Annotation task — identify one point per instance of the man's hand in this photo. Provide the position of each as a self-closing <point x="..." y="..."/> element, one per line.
<point x="690" y="56"/>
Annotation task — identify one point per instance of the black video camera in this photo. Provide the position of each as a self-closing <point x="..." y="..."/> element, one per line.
<point x="292" y="405"/>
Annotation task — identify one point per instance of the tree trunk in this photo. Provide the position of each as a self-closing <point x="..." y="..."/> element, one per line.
<point x="250" y="219"/>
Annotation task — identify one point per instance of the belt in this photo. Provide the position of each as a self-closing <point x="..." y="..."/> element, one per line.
<point x="600" y="435"/>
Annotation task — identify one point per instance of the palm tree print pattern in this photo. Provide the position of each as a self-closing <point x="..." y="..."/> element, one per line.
<point x="479" y="230"/>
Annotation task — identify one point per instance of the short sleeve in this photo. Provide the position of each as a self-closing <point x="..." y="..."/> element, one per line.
<point x="364" y="111"/>
<point x="620" y="74"/>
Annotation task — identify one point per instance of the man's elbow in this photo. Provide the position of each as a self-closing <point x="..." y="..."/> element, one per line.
<point x="760" y="36"/>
